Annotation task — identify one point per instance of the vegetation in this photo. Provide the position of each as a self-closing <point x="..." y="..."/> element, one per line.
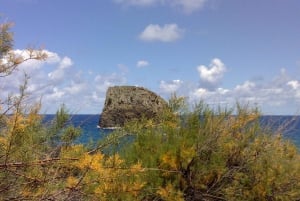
<point x="197" y="154"/>
<point x="215" y="155"/>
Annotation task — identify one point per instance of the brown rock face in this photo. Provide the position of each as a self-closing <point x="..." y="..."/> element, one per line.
<point x="127" y="103"/>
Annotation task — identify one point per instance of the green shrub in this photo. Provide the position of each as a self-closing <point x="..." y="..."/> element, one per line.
<point x="214" y="155"/>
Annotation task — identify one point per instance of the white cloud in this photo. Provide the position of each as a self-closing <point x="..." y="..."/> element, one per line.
<point x="65" y="63"/>
<point x="166" y="33"/>
<point x="31" y="64"/>
<point x="187" y="6"/>
<point x="75" y="88"/>
<point x="56" y="81"/>
<point x="223" y="91"/>
<point x="142" y="63"/>
<point x="104" y="81"/>
<point x="61" y="70"/>
<point x="216" y="96"/>
<point x="55" y="95"/>
<point x="280" y="95"/>
<point x="170" y="87"/>
<point x="86" y="91"/>
<point x="294" y="84"/>
<point x="199" y="93"/>
<point x="245" y="87"/>
<point x="213" y="74"/>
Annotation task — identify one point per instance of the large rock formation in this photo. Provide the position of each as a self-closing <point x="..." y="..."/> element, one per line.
<point x="126" y="103"/>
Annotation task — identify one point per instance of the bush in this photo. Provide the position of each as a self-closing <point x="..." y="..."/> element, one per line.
<point x="214" y="155"/>
<point x="203" y="154"/>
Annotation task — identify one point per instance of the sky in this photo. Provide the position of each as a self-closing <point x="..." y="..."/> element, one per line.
<point x="218" y="51"/>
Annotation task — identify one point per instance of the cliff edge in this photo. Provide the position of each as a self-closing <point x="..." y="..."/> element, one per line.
<point x="127" y="103"/>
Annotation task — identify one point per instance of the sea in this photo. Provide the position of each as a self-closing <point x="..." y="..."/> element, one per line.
<point x="289" y="126"/>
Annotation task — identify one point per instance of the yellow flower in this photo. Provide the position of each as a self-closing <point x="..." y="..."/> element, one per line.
<point x="71" y="182"/>
<point x="170" y="160"/>
<point x="136" y="168"/>
<point x="96" y="162"/>
<point x="169" y="193"/>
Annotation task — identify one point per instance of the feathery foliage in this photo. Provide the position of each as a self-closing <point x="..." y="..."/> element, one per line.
<point x="215" y="155"/>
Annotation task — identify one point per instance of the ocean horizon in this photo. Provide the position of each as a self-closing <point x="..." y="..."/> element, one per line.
<point x="288" y="125"/>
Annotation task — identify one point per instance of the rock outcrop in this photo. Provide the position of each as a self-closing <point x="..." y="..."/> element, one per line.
<point x="127" y="103"/>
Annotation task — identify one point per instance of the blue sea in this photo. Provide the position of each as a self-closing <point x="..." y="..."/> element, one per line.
<point x="288" y="125"/>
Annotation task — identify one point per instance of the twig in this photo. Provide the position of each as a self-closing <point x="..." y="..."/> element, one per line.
<point x="40" y="162"/>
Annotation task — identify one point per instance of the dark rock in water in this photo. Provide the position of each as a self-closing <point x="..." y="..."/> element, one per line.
<point x="127" y="103"/>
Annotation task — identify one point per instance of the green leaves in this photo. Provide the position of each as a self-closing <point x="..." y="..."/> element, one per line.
<point x="215" y="155"/>
<point x="61" y="131"/>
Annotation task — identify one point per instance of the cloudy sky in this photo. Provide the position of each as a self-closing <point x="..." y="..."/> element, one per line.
<point x="219" y="51"/>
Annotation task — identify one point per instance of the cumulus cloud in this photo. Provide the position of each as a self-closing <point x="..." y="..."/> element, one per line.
<point x="171" y="86"/>
<point x="212" y="75"/>
<point x="187" y="6"/>
<point x="166" y="33"/>
<point x="104" y="81"/>
<point x="57" y="81"/>
<point x="55" y="94"/>
<point x="142" y="63"/>
<point x="199" y="93"/>
<point x="294" y="84"/>
<point x="280" y="95"/>
<point x="246" y="88"/>
<point x="60" y="72"/>
<point x="75" y="88"/>
<point x="217" y="96"/>
<point x="273" y="96"/>
<point x="31" y="64"/>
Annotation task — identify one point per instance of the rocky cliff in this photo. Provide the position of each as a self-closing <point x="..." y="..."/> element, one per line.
<point x="126" y="103"/>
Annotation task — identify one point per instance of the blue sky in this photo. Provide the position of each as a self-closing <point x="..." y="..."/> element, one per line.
<point x="215" y="50"/>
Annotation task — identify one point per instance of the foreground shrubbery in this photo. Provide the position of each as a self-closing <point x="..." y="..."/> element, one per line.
<point x="202" y="154"/>
<point x="214" y="155"/>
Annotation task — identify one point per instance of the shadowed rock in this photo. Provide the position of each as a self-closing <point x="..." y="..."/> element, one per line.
<point x="127" y="103"/>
